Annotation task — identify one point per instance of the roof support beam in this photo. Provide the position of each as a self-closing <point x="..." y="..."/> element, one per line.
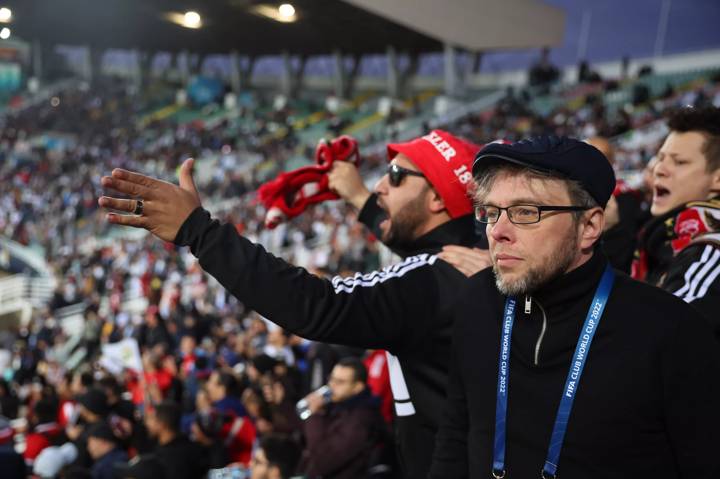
<point x="344" y="79"/>
<point x="240" y="71"/>
<point x="293" y="74"/>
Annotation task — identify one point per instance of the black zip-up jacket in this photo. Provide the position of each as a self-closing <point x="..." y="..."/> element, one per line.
<point x="680" y="253"/>
<point x="646" y="404"/>
<point x="402" y="309"/>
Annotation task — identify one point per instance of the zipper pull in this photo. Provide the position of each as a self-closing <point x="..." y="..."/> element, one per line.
<point x="528" y="304"/>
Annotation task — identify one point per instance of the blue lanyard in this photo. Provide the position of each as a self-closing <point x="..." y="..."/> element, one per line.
<point x="571" y="383"/>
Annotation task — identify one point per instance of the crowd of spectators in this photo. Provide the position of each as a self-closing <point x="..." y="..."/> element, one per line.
<point x="219" y="384"/>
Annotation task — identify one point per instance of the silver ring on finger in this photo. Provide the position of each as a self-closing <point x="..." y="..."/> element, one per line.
<point x="138" y="207"/>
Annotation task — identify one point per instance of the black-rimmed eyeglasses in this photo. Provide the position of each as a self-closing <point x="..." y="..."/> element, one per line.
<point x="519" y="214"/>
<point x="397" y="173"/>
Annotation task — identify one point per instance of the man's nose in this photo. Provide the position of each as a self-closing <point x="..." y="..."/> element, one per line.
<point x="382" y="185"/>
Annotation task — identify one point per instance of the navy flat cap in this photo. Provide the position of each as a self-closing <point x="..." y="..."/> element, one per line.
<point x="571" y="158"/>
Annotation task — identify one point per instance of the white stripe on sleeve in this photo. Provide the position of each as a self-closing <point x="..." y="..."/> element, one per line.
<point x="700" y="275"/>
<point x="347" y="285"/>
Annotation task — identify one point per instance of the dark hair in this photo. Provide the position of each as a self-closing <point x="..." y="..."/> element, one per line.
<point x="109" y="382"/>
<point x="229" y="382"/>
<point x="87" y="379"/>
<point x="706" y="121"/>
<point x="45" y="410"/>
<point x="359" y="370"/>
<point x="282" y="453"/>
<point x="169" y="414"/>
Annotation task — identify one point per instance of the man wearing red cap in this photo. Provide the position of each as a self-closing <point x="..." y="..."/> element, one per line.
<point x="422" y="205"/>
<point x="399" y="219"/>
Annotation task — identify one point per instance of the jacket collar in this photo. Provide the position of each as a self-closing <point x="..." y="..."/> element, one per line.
<point x="573" y="289"/>
<point x="458" y="231"/>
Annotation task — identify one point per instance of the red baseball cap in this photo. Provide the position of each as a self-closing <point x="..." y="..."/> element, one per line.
<point x="446" y="161"/>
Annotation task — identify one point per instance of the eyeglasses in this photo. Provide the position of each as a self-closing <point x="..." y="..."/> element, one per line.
<point x="519" y="214"/>
<point x="397" y="173"/>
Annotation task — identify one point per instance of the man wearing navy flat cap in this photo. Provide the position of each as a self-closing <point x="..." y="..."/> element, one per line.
<point x="562" y="365"/>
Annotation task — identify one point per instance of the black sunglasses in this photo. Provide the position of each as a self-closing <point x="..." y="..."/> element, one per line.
<point x="397" y="173"/>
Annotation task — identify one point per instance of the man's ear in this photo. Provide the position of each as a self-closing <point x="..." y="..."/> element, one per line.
<point x="358" y="387"/>
<point x="715" y="181"/>
<point x="435" y="202"/>
<point x="592" y="224"/>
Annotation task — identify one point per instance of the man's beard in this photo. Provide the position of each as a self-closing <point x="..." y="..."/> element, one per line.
<point x="404" y="224"/>
<point x="554" y="266"/>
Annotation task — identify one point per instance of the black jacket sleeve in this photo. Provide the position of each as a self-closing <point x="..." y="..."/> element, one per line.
<point x="381" y="310"/>
<point x="694" y="276"/>
<point x="450" y="458"/>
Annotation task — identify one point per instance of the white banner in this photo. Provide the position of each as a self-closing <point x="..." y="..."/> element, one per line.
<point x="121" y="355"/>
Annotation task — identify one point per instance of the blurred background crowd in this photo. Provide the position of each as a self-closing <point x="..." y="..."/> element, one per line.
<point x="201" y="384"/>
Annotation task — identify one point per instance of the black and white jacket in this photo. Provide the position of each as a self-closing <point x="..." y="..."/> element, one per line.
<point x="402" y="309"/>
<point x="680" y="253"/>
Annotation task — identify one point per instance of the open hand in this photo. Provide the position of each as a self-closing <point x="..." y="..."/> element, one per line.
<point x="165" y="206"/>
<point x="466" y="260"/>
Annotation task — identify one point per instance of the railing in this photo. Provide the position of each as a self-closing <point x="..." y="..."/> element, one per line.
<point x="22" y="291"/>
<point x="26" y="255"/>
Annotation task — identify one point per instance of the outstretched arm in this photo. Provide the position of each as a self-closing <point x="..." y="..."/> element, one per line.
<point x="378" y="310"/>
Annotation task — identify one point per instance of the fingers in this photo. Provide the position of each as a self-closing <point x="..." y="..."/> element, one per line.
<point x="136" y="178"/>
<point x="187" y="182"/>
<point x="127" y="187"/>
<point x="118" y="204"/>
<point x="127" y="220"/>
<point x="459" y="249"/>
<point x="467" y="260"/>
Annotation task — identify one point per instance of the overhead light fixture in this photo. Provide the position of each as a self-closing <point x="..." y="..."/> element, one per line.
<point x="190" y="19"/>
<point x="286" y="10"/>
<point x="5" y="33"/>
<point x="5" y="15"/>
<point x="285" y="13"/>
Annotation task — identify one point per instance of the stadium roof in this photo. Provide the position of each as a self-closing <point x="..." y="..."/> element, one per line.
<point x="321" y="26"/>
<point x="477" y="25"/>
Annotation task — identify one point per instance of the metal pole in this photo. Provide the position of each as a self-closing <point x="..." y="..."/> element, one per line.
<point x="584" y="35"/>
<point x="662" y="27"/>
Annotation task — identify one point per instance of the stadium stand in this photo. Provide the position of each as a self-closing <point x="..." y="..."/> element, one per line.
<point x="196" y="362"/>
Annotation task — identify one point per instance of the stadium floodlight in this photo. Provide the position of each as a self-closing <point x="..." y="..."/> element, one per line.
<point x="284" y="13"/>
<point x="286" y="10"/>
<point x="192" y="19"/>
<point x="5" y="15"/>
<point x="5" y="33"/>
<point x="189" y="19"/>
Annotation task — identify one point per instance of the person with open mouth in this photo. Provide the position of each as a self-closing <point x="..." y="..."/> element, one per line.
<point x="679" y="248"/>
